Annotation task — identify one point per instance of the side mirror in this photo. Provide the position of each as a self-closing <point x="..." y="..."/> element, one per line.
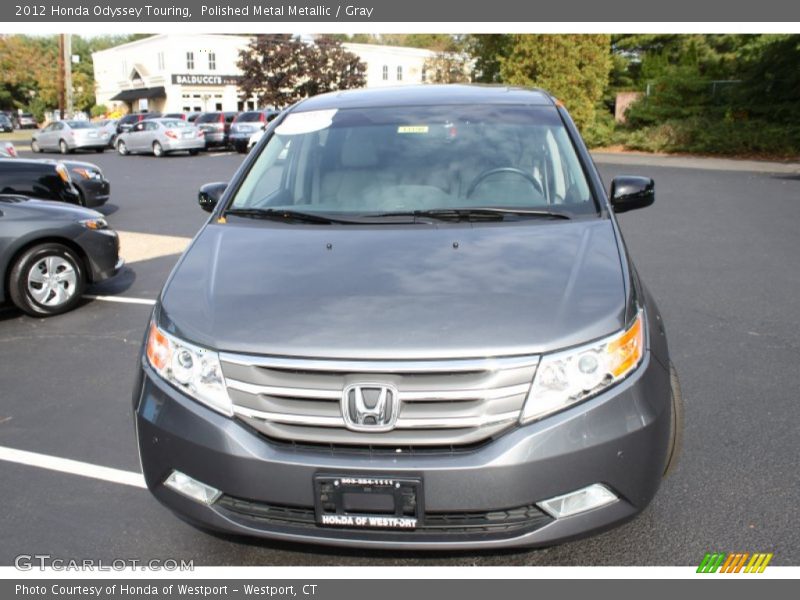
<point x="629" y="192"/>
<point x="210" y="193"/>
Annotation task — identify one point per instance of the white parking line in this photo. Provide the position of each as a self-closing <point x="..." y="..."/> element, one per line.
<point x="73" y="467"/>
<point x="122" y="299"/>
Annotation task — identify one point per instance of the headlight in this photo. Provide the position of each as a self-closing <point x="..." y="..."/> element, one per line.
<point x="98" y="223"/>
<point x="564" y="378"/>
<point x="193" y="370"/>
<point x="88" y="173"/>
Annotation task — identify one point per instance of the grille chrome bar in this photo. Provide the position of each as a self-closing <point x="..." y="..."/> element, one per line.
<point x="405" y="396"/>
<point x="427" y="423"/>
<point x="382" y="366"/>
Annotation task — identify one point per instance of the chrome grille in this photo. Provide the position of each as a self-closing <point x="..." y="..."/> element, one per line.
<point x="443" y="402"/>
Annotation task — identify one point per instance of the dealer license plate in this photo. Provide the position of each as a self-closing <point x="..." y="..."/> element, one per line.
<point x="367" y="502"/>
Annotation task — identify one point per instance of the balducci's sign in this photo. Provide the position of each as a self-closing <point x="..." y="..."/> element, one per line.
<point x="191" y="79"/>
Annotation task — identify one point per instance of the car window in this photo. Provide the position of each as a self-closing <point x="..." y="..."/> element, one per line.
<point x="80" y="124"/>
<point x="208" y="118"/>
<point x="138" y="127"/>
<point x="175" y="124"/>
<point x="400" y="159"/>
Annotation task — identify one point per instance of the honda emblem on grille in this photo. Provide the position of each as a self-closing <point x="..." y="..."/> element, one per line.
<point x="372" y="407"/>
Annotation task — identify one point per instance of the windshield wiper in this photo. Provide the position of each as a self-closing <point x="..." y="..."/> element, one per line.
<point x="283" y="214"/>
<point x="478" y="213"/>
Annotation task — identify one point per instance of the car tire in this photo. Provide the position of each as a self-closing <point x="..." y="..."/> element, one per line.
<point x="35" y="147"/>
<point x="158" y="150"/>
<point x="99" y="150"/>
<point x="194" y="152"/>
<point x="675" y="423"/>
<point x="122" y="149"/>
<point x="63" y="148"/>
<point x="34" y="292"/>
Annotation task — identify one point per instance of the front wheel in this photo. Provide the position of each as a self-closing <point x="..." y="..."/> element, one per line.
<point x="47" y="280"/>
<point x="194" y="152"/>
<point x="676" y="422"/>
<point x="122" y="149"/>
<point x="158" y="150"/>
<point x="35" y="146"/>
<point x="62" y="147"/>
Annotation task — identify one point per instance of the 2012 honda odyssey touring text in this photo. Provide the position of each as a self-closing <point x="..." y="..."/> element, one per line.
<point x="410" y="322"/>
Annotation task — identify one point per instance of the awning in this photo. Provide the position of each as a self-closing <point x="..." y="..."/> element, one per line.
<point x="129" y="95"/>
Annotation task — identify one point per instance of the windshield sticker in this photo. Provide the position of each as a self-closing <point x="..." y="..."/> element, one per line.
<point x="306" y="122"/>
<point x="412" y="129"/>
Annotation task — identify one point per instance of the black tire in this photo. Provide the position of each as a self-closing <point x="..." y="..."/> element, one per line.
<point x="122" y="149"/>
<point x="99" y="150"/>
<point x="194" y="152"/>
<point x="18" y="280"/>
<point x="35" y="146"/>
<point x="675" y="447"/>
<point x="63" y="148"/>
<point x="158" y="150"/>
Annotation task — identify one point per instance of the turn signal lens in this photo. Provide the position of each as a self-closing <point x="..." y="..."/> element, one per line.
<point x="157" y="348"/>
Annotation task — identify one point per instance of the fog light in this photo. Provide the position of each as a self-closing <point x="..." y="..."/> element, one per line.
<point x="579" y="501"/>
<point x="191" y="488"/>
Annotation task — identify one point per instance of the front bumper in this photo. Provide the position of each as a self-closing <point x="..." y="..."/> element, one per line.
<point x="102" y="252"/>
<point x="96" y="192"/>
<point x="618" y="438"/>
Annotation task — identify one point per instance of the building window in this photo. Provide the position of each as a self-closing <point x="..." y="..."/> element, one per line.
<point x="190" y="61"/>
<point x="386" y="72"/>
<point x="399" y="73"/>
<point x="212" y="61"/>
<point x="160" y="61"/>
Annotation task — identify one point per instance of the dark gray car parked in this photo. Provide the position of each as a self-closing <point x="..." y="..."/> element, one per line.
<point x="50" y="251"/>
<point x="410" y="322"/>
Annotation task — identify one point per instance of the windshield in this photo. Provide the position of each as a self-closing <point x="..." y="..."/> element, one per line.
<point x="374" y="161"/>
<point x="208" y="118"/>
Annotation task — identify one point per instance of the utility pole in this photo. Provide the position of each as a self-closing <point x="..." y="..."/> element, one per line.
<point x="68" y="73"/>
<point x="61" y="75"/>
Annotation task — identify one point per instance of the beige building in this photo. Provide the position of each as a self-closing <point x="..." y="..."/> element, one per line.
<point x="197" y="72"/>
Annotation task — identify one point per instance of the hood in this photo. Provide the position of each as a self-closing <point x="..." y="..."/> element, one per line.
<point x="379" y="292"/>
<point x="52" y="208"/>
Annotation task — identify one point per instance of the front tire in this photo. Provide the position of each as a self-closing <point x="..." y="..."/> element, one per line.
<point x="194" y="152"/>
<point x="158" y="150"/>
<point x="35" y="147"/>
<point x="63" y="148"/>
<point x="47" y="280"/>
<point x="122" y="149"/>
<point x="676" y="423"/>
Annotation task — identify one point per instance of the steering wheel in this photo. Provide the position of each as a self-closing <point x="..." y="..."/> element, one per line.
<point x="512" y="170"/>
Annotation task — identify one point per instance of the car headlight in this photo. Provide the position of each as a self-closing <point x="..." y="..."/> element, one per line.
<point x="193" y="370"/>
<point x="88" y="173"/>
<point x="565" y="378"/>
<point x="95" y="224"/>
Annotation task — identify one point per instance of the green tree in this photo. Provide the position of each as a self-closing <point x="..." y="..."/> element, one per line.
<point x="447" y="67"/>
<point x="280" y="69"/>
<point x="574" y="68"/>
<point x="487" y="51"/>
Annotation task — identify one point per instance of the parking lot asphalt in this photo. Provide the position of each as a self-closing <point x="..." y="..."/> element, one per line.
<point x="718" y="250"/>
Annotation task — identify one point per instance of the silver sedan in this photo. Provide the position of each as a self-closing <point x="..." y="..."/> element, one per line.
<point x="68" y="136"/>
<point x="160" y="137"/>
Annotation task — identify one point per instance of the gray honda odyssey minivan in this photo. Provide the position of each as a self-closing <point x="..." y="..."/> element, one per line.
<point x="410" y="322"/>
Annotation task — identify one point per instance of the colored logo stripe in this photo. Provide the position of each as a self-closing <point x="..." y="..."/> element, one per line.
<point x="734" y="562"/>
